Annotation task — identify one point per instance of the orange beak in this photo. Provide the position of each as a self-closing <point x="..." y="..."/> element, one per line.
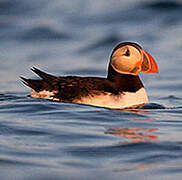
<point x="148" y="65"/>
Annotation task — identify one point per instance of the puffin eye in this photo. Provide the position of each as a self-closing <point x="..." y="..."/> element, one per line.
<point x="127" y="53"/>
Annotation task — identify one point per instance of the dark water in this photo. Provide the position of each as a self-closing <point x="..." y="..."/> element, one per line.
<point x="40" y="139"/>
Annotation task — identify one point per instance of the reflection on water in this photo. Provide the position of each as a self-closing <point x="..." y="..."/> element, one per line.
<point x="134" y="135"/>
<point x="137" y="167"/>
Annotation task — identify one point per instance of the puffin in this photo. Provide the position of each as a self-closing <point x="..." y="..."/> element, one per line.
<point x="120" y="89"/>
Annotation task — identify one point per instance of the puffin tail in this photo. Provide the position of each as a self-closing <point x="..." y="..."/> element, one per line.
<point x="43" y="75"/>
<point x="38" y="84"/>
<point x="34" y="84"/>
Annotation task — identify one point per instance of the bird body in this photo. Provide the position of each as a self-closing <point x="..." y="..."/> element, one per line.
<point x="122" y="88"/>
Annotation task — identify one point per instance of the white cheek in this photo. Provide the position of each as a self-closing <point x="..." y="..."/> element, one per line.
<point x="123" y="64"/>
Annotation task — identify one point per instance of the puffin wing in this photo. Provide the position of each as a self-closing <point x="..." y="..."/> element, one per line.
<point x="73" y="88"/>
<point x="67" y="89"/>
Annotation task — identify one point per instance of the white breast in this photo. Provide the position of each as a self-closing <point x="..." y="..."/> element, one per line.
<point x="124" y="100"/>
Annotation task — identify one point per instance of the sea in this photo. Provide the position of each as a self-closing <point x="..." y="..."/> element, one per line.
<point x="46" y="140"/>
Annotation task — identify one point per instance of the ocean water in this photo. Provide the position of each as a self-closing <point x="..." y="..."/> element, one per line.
<point x="41" y="139"/>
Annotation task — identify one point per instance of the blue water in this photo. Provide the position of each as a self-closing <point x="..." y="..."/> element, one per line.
<point x="41" y="139"/>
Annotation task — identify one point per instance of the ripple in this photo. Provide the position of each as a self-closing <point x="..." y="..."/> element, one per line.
<point x="7" y="162"/>
<point x="153" y="106"/>
<point x="15" y="7"/>
<point x="25" y="108"/>
<point x="9" y="97"/>
<point x="108" y="40"/>
<point x="43" y="33"/>
<point x="7" y="7"/>
<point x="164" y="6"/>
<point x="171" y="97"/>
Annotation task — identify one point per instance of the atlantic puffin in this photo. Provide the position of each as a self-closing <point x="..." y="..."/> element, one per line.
<point x="121" y="89"/>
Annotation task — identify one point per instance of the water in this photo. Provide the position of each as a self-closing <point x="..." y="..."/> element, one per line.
<point x="42" y="139"/>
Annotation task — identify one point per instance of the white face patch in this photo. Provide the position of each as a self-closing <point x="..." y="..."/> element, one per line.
<point x="126" y="60"/>
<point x="126" y="100"/>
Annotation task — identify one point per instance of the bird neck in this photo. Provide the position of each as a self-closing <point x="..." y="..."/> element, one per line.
<point x="124" y="82"/>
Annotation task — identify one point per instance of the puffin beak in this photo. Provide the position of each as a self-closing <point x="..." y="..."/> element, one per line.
<point x="148" y="65"/>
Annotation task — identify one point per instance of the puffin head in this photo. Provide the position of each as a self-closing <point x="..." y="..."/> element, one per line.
<point x="130" y="58"/>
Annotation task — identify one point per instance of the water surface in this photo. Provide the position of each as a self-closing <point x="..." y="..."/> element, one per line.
<point x="42" y="139"/>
